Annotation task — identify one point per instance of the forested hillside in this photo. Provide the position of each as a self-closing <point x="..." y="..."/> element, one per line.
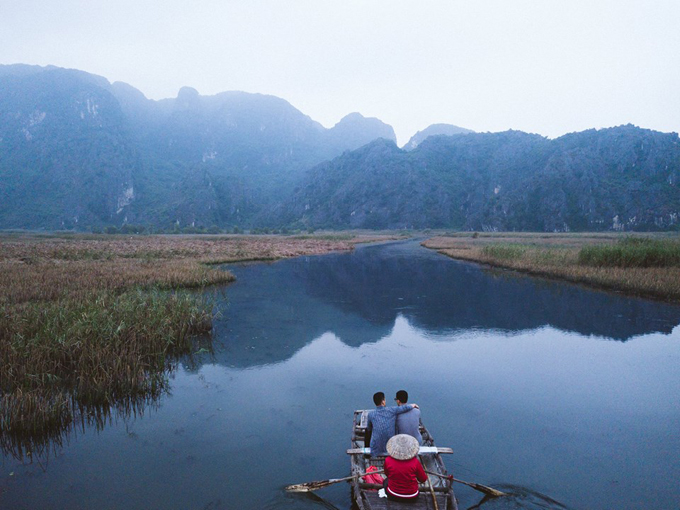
<point x="78" y="152"/>
<point x="623" y="178"/>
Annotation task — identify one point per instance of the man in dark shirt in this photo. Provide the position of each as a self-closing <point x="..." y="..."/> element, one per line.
<point x="408" y="423"/>
<point x="381" y="425"/>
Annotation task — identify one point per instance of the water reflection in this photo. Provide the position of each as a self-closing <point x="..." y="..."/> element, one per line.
<point x="518" y="498"/>
<point x="44" y="429"/>
<point x="358" y="296"/>
<point x="438" y="294"/>
<point x="41" y="447"/>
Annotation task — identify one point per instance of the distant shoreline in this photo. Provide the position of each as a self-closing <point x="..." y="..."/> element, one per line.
<point x="641" y="265"/>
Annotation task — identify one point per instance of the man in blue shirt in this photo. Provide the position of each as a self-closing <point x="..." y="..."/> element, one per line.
<point x="381" y="424"/>
<point x="408" y="423"/>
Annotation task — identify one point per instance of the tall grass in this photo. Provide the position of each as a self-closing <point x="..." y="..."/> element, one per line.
<point x="632" y="252"/>
<point x="647" y="266"/>
<point x="504" y="251"/>
<point x="57" y="356"/>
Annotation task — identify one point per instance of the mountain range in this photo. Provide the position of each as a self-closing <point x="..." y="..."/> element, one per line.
<point x="79" y="152"/>
<point x="622" y="178"/>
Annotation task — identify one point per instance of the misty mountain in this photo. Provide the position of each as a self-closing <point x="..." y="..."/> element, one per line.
<point x="77" y="151"/>
<point x="434" y="130"/>
<point x="66" y="157"/>
<point x="617" y="178"/>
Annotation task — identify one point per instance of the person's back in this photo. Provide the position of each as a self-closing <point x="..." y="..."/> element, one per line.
<point x="403" y="476"/>
<point x="381" y="424"/>
<point x="403" y="469"/>
<point x="408" y="423"/>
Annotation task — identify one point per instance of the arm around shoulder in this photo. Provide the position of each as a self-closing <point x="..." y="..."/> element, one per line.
<point x="403" y="408"/>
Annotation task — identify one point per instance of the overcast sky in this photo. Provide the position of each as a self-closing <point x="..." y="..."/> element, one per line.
<point x="543" y="66"/>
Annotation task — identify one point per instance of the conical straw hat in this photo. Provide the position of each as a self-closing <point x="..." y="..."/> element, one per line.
<point x="403" y="447"/>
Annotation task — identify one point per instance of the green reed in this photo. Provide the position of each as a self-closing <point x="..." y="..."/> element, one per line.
<point x="56" y="356"/>
<point x="632" y="252"/>
<point x="504" y="251"/>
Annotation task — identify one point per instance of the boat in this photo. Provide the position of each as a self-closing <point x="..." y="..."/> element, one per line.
<point x="365" y="495"/>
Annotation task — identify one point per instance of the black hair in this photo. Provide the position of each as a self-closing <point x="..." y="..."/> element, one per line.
<point x="378" y="398"/>
<point x="402" y="396"/>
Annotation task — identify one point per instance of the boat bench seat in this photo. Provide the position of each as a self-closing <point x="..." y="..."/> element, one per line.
<point x="421" y="451"/>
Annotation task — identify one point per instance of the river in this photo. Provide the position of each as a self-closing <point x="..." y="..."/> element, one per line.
<point x="563" y="396"/>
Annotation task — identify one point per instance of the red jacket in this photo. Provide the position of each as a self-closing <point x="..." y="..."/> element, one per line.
<point x="403" y="476"/>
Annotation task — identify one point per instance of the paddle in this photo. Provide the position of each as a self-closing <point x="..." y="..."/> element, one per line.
<point x="434" y="496"/>
<point x="320" y="484"/>
<point x="489" y="491"/>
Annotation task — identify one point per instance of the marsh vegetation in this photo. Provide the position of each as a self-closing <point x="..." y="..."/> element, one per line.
<point x="90" y="323"/>
<point x="645" y="264"/>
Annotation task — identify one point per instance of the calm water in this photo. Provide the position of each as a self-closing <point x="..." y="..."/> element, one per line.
<point x="560" y="395"/>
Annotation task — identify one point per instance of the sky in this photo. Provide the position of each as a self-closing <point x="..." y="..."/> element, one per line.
<point x="541" y="66"/>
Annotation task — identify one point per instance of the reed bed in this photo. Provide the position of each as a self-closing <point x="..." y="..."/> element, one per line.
<point x="50" y="280"/>
<point x="208" y="249"/>
<point x="94" y="323"/>
<point x="646" y="265"/>
<point x="633" y="252"/>
<point x="504" y="251"/>
<point x="45" y="268"/>
<point x="62" y="356"/>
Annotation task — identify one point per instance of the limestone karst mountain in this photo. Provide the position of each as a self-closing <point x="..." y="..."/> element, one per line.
<point x="78" y="152"/>
<point x="622" y="178"/>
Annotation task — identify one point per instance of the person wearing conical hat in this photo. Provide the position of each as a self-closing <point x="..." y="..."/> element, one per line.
<point x="403" y="469"/>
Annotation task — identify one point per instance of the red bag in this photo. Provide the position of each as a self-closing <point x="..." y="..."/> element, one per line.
<point x="373" y="478"/>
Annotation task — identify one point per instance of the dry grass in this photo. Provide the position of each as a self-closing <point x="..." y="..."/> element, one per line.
<point x="34" y="268"/>
<point x="562" y="256"/>
<point x="90" y="323"/>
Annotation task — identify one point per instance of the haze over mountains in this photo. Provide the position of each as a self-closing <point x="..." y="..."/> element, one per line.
<point x="433" y="130"/>
<point x="79" y="152"/>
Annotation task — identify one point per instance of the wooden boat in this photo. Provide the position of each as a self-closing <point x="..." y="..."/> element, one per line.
<point x="365" y="496"/>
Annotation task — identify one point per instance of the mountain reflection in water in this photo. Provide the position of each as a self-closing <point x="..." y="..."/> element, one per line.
<point x="358" y="296"/>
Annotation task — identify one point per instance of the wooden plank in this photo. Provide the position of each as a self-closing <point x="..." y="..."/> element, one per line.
<point x="423" y="450"/>
<point x="424" y="501"/>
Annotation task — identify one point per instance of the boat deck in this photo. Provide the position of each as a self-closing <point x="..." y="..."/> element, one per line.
<point x="424" y="502"/>
<point x="366" y="495"/>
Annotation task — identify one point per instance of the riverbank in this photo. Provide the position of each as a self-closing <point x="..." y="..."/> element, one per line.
<point x="646" y="265"/>
<point x="88" y="322"/>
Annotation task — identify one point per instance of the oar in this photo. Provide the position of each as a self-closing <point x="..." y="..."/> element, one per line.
<point x="320" y="484"/>
<point x="434" y="496"/>
<point x="489" y="491"/>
